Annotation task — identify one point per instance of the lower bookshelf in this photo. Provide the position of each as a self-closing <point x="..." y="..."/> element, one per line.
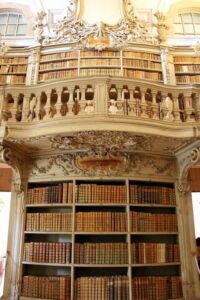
<point x="101" y="240"/>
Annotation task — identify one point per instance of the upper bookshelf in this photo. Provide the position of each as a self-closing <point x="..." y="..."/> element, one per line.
<point x="187" y="69"/>
<point x="69" y="64"/>
<point x="13" y="69"/>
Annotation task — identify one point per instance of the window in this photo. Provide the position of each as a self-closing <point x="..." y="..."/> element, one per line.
<point x="187" y="23"/>
<point x="12" y="24"/>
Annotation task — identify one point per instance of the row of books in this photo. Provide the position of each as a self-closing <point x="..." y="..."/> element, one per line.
<point x="188" y="79"/>
<point x="58" y="75"/>
<point x="144" y="55"/>
<point x="186" y="59"/>
<point x="58" y="253"/>
<point x="94" y="193"/>
<point x="47" y="287"/>
<point x="151" y="222"/>
<point x="187" y="68"/>
<point x="9" y="79"/>
<point x="147" y="253"/>
<point x="156" y="288"/>
<point x="98" y="221"/>
<point x="103" y="71"/>
<point x="103" y="53"/>
<point x="104" y="288"/>
<point x="60" y="55"/>
<point x="49" y="222"/>
<point x="59" y="64"/>
<point x="101" y="253"/>
<point x="143" y="74"/>
<point x="141" y="64"/>
<point x="152" y="194"/>
<point x="60" y="193"/>
<point x="99" y="62"/>
<point x="13" y="60"/>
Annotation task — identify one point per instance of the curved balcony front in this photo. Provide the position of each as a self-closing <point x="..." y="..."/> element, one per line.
<point x="100" y="103"/>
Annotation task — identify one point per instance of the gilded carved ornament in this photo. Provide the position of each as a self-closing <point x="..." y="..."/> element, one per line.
<point x="75" y="31"/>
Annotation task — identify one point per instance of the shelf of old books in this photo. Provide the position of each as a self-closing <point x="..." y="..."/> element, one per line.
<point x="13" y="69"/>
<point x="104" y="239"/>
<point x="47" y="251"/>
<point x="130" y="63"/>
<point x="187" y="69"/>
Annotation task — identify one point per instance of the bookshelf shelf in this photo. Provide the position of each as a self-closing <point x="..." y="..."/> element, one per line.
<point x="187" y="69"/>
<point x="106" y="244"/>
<point x="156" y="265"/>
<point x="134" y="64"/>
<point x="45" y="264"/>
<point x="48" y="232"/>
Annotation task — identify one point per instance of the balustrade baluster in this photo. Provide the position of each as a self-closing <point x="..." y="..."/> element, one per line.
<point x="58" y="104"/>
<point x="25" y="107"/>
<point x="189" y="111"/>
<point x="143" y="107"/>
<point x="70" y="103"/>
<point x="37" y="108"/>
<point x="176" y="110"/>
<point x="155" y="108"/>
<point x="47" y="106"/>
<point x="132" y="104"/>
<point x="13" y="109"/>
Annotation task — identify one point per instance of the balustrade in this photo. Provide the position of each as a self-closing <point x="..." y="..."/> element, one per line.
<point x="103" y="97"/>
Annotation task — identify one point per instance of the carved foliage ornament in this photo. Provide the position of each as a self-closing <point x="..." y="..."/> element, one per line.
<point x="97" y="142"/>
<point x="90" y="165"/>
<point x="74" y="30"/>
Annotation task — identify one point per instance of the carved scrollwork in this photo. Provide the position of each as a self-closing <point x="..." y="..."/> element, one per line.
<point x="97" y="142"/>
<point x="185" y="162"/>
<point x="5" y="155"/>
<point x="91" y="164"/>
<point x="74" y="30"/>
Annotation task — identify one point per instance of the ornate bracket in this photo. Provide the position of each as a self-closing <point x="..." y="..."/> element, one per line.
<point x="7" y="157"/>
<point x="186" y="160"/>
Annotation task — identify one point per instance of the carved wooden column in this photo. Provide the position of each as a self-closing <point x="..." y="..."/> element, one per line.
<point x="190" y="277"/>
<point x="14" y="253"/>
<point x="167" y="66"/>
<point x="33" y="67"/>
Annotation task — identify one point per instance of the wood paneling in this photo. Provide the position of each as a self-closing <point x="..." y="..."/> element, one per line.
<point x="5" y="178"/>
<point x="195" y="178"/>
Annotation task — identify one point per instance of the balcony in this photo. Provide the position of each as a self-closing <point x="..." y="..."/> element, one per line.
<point x="100" y="104"/>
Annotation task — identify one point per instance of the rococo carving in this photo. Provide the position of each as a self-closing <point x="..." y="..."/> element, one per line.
<point x="74" y="30"/>
<point x="185" y="162"/>
<point x="97" y="165"/>
<point x="97" y="142"/>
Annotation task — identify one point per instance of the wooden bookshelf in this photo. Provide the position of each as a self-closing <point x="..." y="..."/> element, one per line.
<point x="121" y="230"/>
<point x="69" y="64"/>
<point x="13" y="69"/>
<point x="187" y="69"/>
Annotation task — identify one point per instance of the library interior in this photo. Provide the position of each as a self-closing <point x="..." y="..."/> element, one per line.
<point x="100" y="150"/>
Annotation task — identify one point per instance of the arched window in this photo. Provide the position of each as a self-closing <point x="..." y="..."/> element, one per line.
<point x="12" y="24"/>
<point x="187" y="23"/>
